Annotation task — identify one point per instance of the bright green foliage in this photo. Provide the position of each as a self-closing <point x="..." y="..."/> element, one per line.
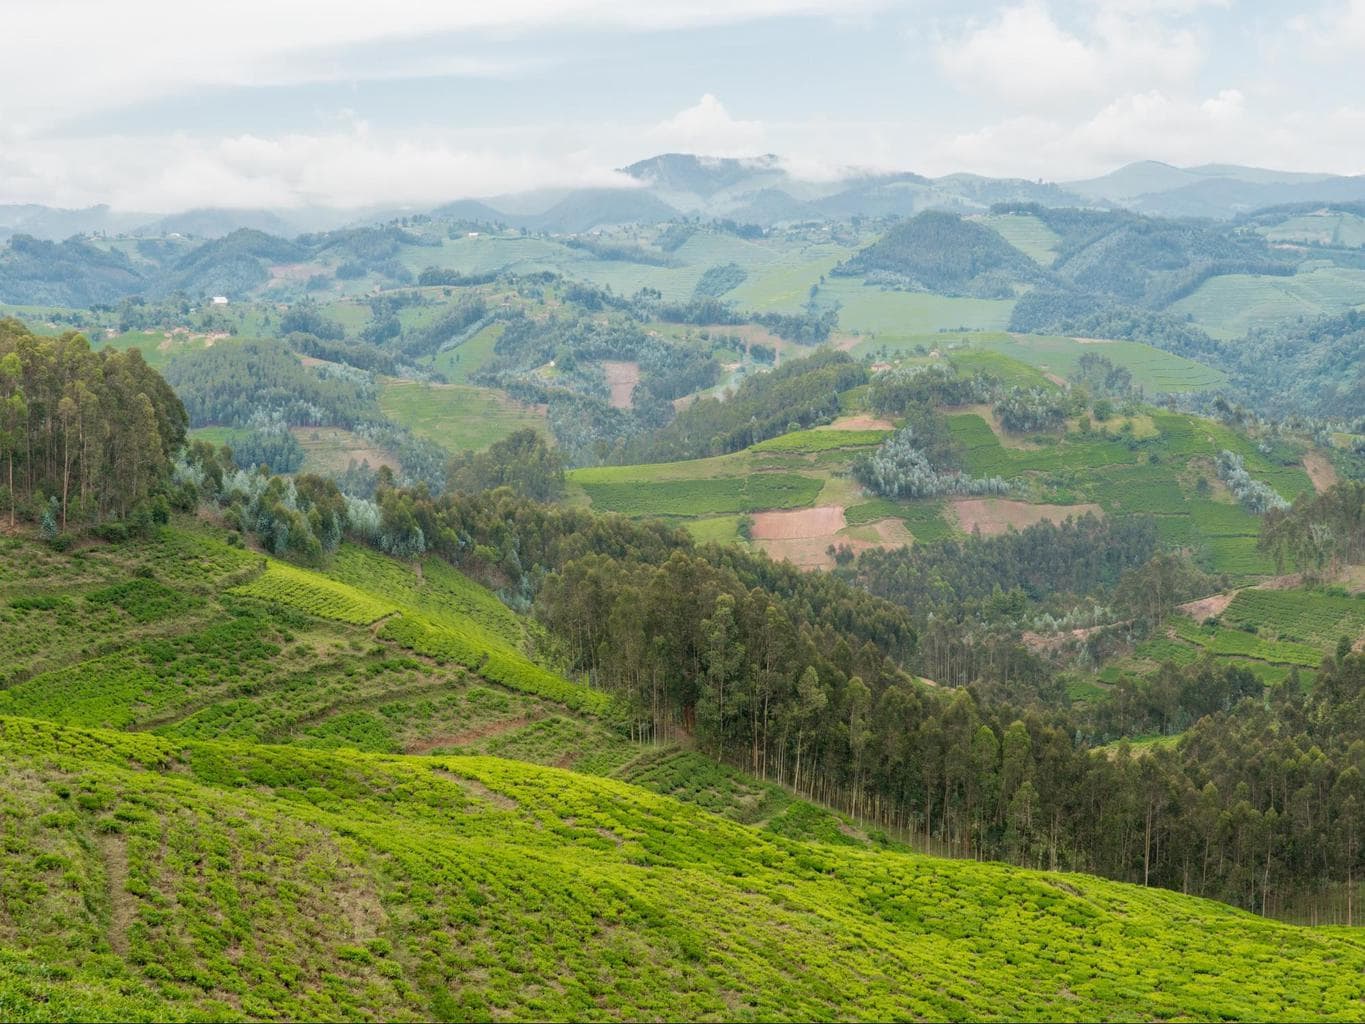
<point x="923" y="517"/>
<point x="499" y="666"/>
<point x="821" y="440"/>
<point x="455" y="416"/>
<point x="314" y="594"/>
<point x="225" y="881"/>
<point x="705" y="497"/>
<point x="1307" y="616"/>
<point x="1218" y="640"/>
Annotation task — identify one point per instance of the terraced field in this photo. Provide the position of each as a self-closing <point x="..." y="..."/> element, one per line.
<point x="208" y="814"/>
<point x="1157" y="476"/>
<point x="1230" y="305"/>
<point x="1026" y="233"/>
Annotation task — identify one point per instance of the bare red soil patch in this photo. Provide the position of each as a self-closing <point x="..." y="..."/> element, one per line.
<point x="996" y="515"/>
<point x="803" y="536"/>
<point x="861" y="423"/>
<point x="1208" y="607"/>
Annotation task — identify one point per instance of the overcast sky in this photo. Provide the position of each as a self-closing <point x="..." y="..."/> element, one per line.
<point x="162" y="105"/>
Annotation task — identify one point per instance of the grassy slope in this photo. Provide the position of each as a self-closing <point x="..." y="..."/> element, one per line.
<point x="455" y="416"/>
<point x="1268" y="631"/>
<point x="1230" y="305"/>
<point x="191" y="868"/>
<point x="172" y="879"/>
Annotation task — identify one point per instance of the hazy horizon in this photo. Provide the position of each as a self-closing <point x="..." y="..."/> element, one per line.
<point x="157" y="108"/>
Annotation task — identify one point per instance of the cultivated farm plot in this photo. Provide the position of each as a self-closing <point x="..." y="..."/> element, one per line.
<point x="752" y="493"/>
<point x="330" y="450"/>
<point x="1153" y="370"/>
<point x="383" y="859"/>
<point x="1231" y="304"/>
<point x="457" y="417"/>
<point x="994" y="516"/>
<point x="1332" y="228"/>
<point x="458" y="363"/>
<point x="867" y="309"/>
<point x="1026" y="233"/>
<point x="1304" y="616"/>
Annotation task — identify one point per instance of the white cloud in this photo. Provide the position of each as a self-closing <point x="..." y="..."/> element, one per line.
<point x="1155" y="125"/>
<point x="1025" y="58"/>
<point x="708" y="129"/>
<point x="133" y="50"/>
<point x="346" y="168"/>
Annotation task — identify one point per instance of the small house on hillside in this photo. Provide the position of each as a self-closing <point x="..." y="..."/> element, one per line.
<point x="220" y="300"/>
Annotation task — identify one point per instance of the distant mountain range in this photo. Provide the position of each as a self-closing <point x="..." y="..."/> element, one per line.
<point x="759" y="190"/>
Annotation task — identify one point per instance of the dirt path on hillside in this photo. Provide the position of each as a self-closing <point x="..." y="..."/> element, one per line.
<point x="1320" y="471"/>
<point x="122" y="903"/>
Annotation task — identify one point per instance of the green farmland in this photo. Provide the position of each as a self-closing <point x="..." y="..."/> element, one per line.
<point x="455" y="416"/>
<point x="209" y="751"/>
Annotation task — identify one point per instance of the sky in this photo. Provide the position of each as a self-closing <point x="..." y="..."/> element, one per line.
<point x="165" y="105"/>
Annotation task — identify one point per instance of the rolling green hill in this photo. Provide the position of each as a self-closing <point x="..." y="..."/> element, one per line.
<point x="234" y="791"/>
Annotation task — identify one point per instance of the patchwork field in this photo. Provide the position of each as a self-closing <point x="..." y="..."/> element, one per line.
<point x="1158" y="476"/>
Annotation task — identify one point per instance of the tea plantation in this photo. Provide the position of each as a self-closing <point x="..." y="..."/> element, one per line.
<point x="237" y="788"/>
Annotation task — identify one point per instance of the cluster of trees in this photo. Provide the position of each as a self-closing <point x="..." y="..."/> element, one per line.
<point x="522" y="461"/>
<point x="716" y="281"/>
<point x="229" y="383"/>
<point x="973" y="578"/>
<point x="1320" y="532"/>
<point x="801" y="392"/>
<point x="1312" y="367"/>
<point x="900" y="468"/>
<point x="1023" y="410"/>
<point x="940" y="252"/>
<point x="1254" y="495"/>
<point x="894" y="391"/>
<point x="92" y="434"/>
<point x="1100" y="376"/>
<point x="70" y="273"/>
<point x="270" y="444"/>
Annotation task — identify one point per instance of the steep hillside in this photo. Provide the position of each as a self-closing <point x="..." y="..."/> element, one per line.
<point x="944" y="253"/>
<point x="164" y="880"/>
<point x="215" y="808"/>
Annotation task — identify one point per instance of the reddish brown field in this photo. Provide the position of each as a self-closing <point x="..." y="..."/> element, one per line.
<point x="803" y="536"/>
<point x="996" y="515"/>
<point x="621" y="378"/>
<point x="860" y="423"/>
